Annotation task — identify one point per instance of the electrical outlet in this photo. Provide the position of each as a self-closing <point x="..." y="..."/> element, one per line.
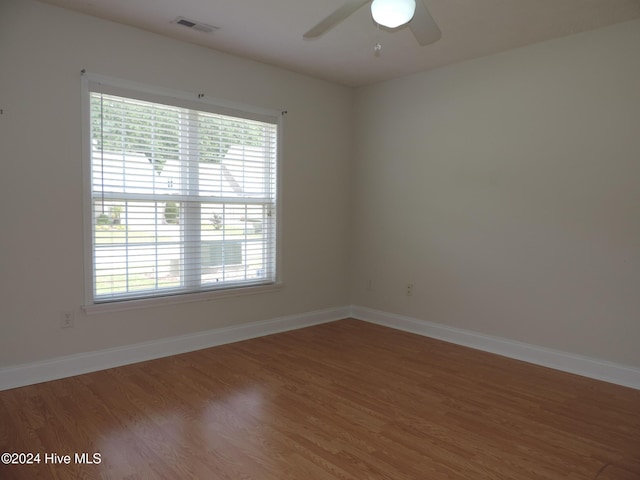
<point x="66" y="320"/>
<point x="409" y="289"/>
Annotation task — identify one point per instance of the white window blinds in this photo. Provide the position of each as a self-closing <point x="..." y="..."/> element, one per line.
<point x="183" y="199"/>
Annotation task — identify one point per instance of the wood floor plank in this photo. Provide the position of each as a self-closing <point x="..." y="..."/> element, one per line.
<point x="345" y="400"/>
<point x="614" y="472"/>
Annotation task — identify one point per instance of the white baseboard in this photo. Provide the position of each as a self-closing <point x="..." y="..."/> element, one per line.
<point x="67" y="366"/>
<point x="558" y="360"/>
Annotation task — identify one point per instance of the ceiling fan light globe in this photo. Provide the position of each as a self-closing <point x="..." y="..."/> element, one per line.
<point x="392" y="13"/>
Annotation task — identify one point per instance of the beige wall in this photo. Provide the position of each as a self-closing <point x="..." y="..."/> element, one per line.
<point x="42" y="50"/>
<point x="507" y="189"/>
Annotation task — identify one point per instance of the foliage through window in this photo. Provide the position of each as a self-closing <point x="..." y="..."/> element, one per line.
<point x="183" y="199"/>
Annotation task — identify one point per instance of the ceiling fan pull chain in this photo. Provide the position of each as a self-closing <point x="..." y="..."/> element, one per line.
<point x="377" y="48"/>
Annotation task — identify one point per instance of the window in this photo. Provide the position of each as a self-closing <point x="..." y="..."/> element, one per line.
<point x="183" y="195"/>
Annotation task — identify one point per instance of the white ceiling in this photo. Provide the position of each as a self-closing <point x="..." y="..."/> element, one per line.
<point x="271" y="30"/>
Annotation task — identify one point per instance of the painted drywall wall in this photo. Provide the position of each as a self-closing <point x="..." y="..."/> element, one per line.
<point x="507" y="190"/>
<point x="42" y="51"/>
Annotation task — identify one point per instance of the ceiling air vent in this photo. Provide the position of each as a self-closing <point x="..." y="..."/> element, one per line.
<point x="201" y="27"/>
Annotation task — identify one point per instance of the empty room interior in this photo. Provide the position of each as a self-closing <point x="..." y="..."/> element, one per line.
<point x="282" y="240"/>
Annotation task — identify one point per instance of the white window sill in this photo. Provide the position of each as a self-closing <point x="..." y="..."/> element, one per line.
<point x="122" y="305"/>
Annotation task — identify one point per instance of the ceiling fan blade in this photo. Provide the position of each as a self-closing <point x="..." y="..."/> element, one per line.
<point x="423" y="25"/>
<point x="335" y="18"/>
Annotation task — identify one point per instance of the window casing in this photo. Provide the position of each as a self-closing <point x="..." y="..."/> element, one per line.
<point x="182" y="194"/>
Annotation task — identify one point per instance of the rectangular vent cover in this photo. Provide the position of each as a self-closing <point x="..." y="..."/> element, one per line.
<point x="201" y="27"/>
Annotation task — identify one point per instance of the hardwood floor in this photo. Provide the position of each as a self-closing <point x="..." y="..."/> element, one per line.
<point x="346" y="400"/>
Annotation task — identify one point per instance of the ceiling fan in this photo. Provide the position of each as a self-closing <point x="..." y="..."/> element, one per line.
<point x="411" y="12"/>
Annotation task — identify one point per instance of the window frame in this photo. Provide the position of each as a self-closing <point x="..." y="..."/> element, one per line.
<point x="129" y="89"/>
